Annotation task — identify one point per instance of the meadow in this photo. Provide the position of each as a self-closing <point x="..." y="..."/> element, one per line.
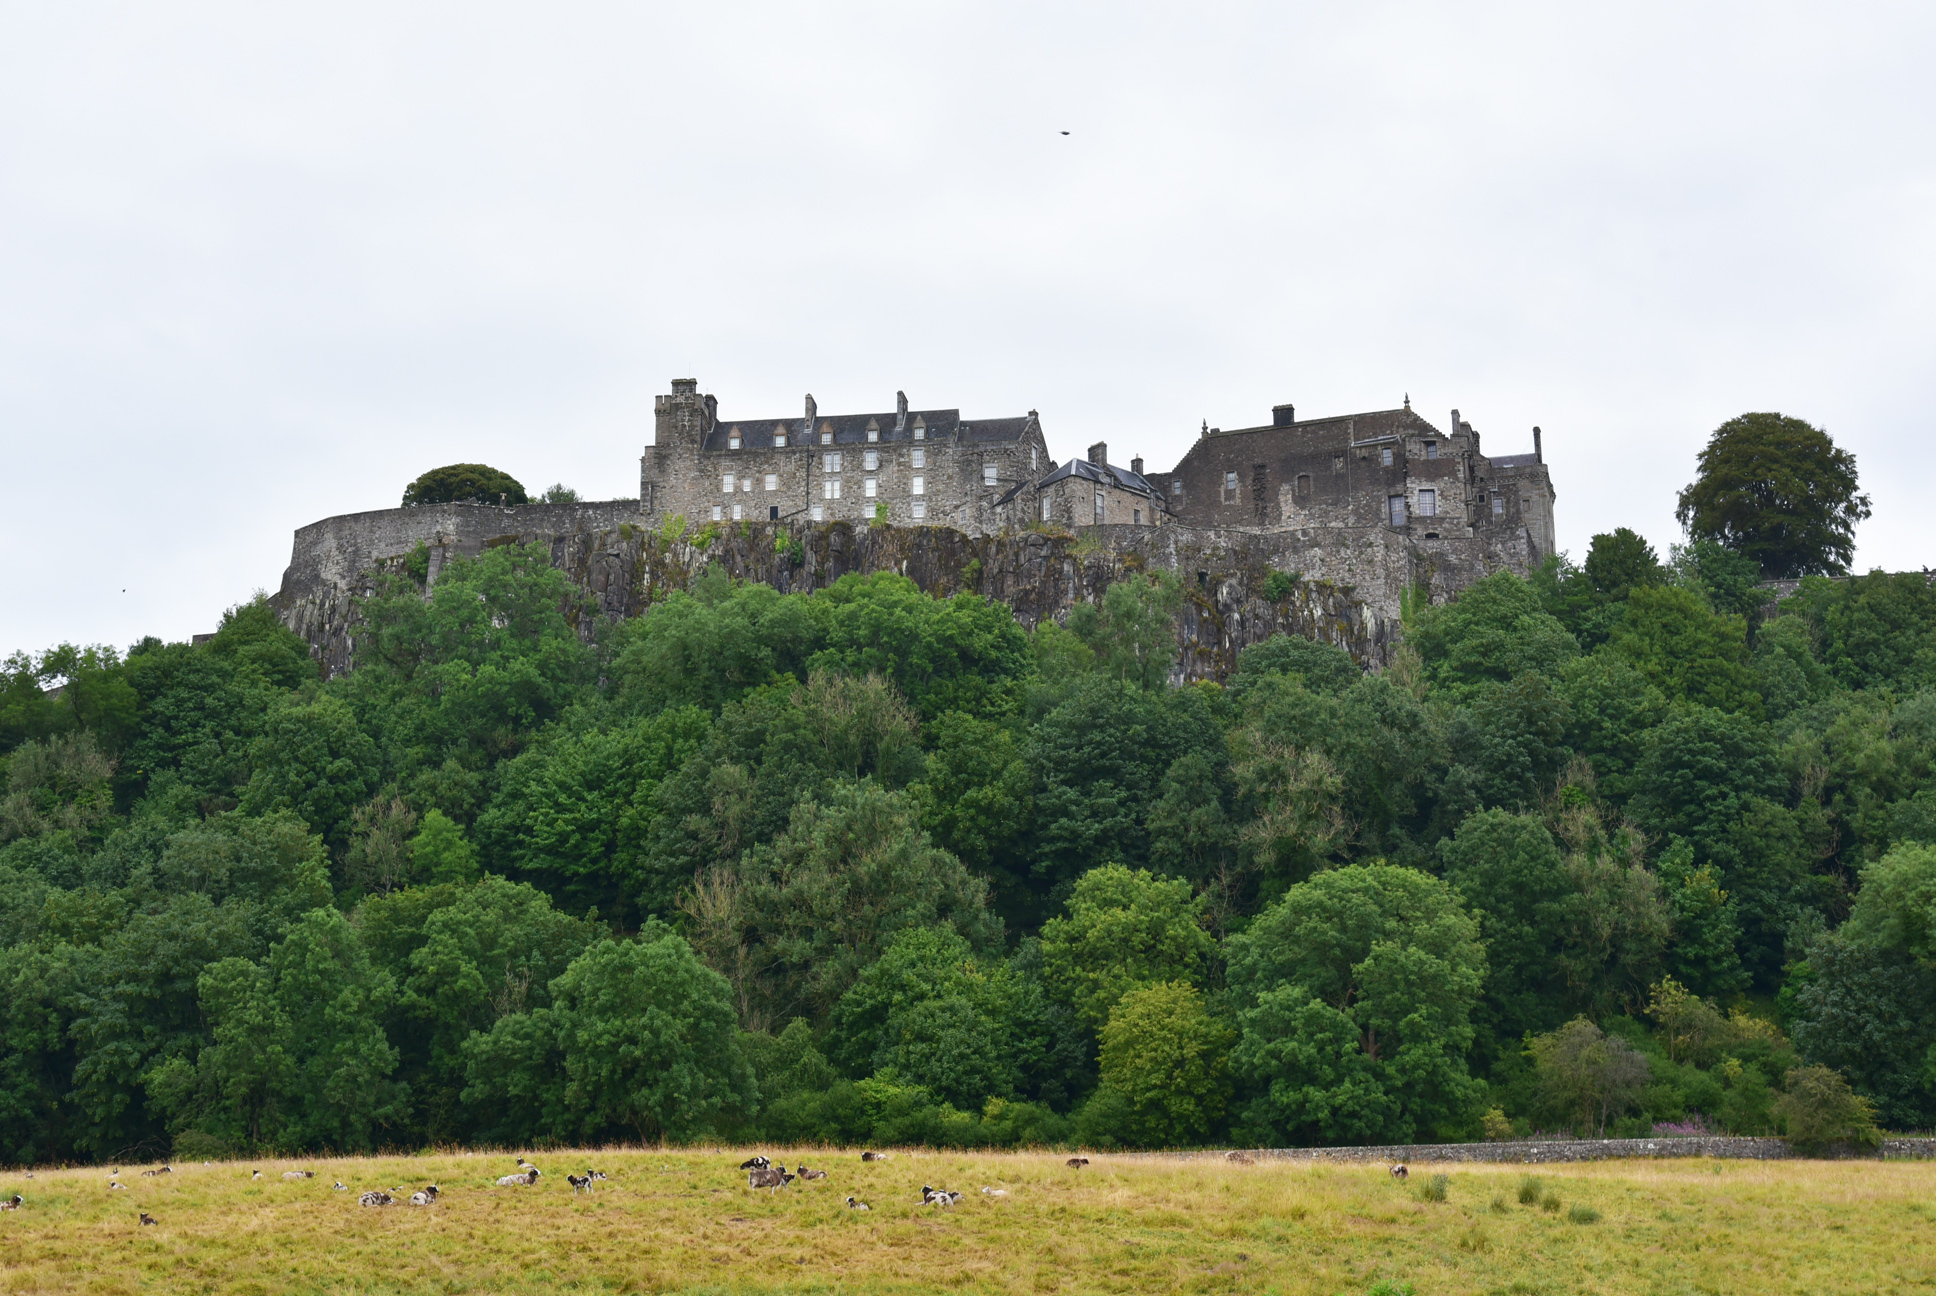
<point x="686" y="1221"/>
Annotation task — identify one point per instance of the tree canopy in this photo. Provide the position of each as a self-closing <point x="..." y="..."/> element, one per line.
<point x="1776" y="489"/>
<point x="470" y="483"/>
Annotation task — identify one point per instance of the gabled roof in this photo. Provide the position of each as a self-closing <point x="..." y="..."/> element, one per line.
<point x="1104" y="475"/>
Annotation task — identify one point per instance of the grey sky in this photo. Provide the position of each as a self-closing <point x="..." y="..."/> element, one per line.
<point x="259" y="265"/>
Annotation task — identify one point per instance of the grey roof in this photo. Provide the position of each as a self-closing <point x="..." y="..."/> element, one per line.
<point x="1513" y="460"/>
<point x="1365" y="427"/>
<point x="1107" y="475"/>
<point x="940" y="424"/>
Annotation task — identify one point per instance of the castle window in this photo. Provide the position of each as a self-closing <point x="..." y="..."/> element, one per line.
<point x="871" y="487"/>
<point x="920" y="509"/>
<point x="832" y="460"/>
<point x="1431" y="449"/>
<point x="1099" y="506"/>
<point x="1498" y="506"/>
<point x="1047" y="504"/>
<point x="773" y="481"/>
<point x="718" y="513"/>
<point x="1230" y="488"/>
<point x="873" y="433"/>
<point x="732" y="442"/>
<point x="920" y="485"/>
<point x="920" y="459"/>
<point x="726" y="484"/>
<point x="1304" y="485"/>
<point x="1137" y="515"/>
<point x="990" y="474"/>
<point x="817" y="513"/>
<point x="871" y="461"/>
<point x="827" y="437"/>
<point x="1031" y="458"/>
<point x="738" y="512"/>
<point x="1176" y="487"/>
<point x="1428" y="503"/>
<point x="830" y="488"/>
<point x="746" y="485"/>
<point x="920" y="429"/>
<point x="779" y="440"/>
<point x="1397" y="504"/>
<point x="1384" y="456"/>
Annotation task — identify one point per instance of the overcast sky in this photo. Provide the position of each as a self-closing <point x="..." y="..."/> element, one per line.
<point x="260" y="264"/>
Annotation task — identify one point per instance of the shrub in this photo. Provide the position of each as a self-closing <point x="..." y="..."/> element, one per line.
<point x="1529" y="1188"/>
<point x="1498" y="1129"/>
<point x="1579" y="1214"/>
<point x="475" y="483"/>
<point x="1550" y="1202"/>
<point x="1819" y="1108"/>
<point x="1433" y="1189"/>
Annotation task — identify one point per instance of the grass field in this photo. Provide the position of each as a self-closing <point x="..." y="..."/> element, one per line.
<point x="685" y="1221"/>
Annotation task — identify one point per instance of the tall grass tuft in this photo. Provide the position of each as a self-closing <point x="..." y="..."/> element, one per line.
<point x="1433" y="1189"/>
<point x="1529" y="1187"/>
<point x="1580" y="1213"/>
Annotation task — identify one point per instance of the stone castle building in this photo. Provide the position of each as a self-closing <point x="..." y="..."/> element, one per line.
<point x="1362" y="510"/>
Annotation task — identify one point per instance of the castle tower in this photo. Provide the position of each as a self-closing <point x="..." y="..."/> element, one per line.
<point x="680" y="422"/>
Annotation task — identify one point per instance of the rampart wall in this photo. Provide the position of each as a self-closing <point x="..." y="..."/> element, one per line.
<point x="1350" y="581"/>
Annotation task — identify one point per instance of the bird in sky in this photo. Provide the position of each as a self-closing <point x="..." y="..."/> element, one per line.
<point x="1065" y="132"/>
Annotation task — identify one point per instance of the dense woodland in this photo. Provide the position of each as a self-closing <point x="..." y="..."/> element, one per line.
<point x="1623" y="847"/>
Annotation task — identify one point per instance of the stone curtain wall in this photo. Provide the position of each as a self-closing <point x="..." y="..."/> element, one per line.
<point x="1348" y="592"/>
<point x="1560" y="1151"/>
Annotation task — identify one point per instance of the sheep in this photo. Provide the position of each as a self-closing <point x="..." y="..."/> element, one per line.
<point x="149" y="1174"/>
<point x="873" y="1156"/>
<point x="811" y="1174"/>
<point x="341" y="1186"/>
<point x="756" y="1163"/>
<point x="298" y="1174"/>
<point x="1400" y="1172"/>
<point x="857" y="1205"/>
<point x="598" y="1175"/>
<point x="938" y="1196"/>
<point x="769" y="1178"/>
<point x="579" y="1185"/>
<point x="515" y="1180"/>
<point x="14" y="1204"/>
<point x="1238" y="1158"/>
<point x="147" y="1219"/>
<point x="993" y="1192"/>
<point x="116" y="1183"/>
<point x="376" y="1199"/>
<point x="1076" y="1163"/>
<point x="256" y="1175"/>
<point x="424" y="1198"/>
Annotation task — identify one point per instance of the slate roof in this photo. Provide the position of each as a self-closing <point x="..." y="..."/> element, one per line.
<point x="1107" y="475"/>
<point x="1368" y="426"/>
<point x="941" y="425"/>
<point x="1512" y="460"/>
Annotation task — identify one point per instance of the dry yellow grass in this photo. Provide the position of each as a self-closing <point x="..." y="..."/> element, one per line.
<point x="685" y="1221"/>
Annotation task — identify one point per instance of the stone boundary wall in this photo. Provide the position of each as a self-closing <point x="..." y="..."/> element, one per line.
<point x="1560" y="1151"/>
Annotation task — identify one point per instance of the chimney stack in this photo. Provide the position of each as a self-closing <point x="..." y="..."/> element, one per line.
<point x="900" y="411"/>
<point x="1099" y="453"/>
<point x="1136" y="465"/>
<point x="1538" y="455"/>
<point x="1283" y="415"/>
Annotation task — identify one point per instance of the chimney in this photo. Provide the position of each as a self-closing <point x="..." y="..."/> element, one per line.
<point x="1099" y="453"/>
<point x="812" y="409"/>
<point x="1538" y="456"/>
<point x="1136" y="465"/>
<point x="1283" y="415"/>
<point x="712" y="411"/>
<point x="900" y="411"/>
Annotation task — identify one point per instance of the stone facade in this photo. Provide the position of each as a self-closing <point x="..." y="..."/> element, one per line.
<point x="1085" y="492"/>
<point x="905" y="467"/>
<point x="1388" y="470"/>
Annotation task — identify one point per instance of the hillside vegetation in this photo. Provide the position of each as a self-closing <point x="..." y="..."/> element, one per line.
<point x="1615" y="848"/>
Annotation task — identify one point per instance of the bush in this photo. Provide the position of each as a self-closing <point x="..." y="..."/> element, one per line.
<point x="1498" y="1129"/>
<point x="1819" y="1108"/>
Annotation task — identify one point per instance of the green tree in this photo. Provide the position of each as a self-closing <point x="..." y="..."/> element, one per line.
<point x="956" y="654"/>
<point x="315" y="760"/>
<point x="1355" y="995"/>
<point x="1132" y="632"/>
<point x="1587" y="1075"/>
<point x="1776" y="490"/>
<point x="1818" y="1108"/>
<point x="1688" y="651"/>
<point x="1621" y="562"/>
<point x="1324" y="668"/>
<point x="440" y="853"/>
<point x="1165" y="1069"/>
<point x="470" y="483"/>
<point x="1510" y="871"/>
<point x="1125" y="929"/>
<point x="1496" y="630"/>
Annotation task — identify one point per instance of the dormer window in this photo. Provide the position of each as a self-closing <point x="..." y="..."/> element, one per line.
<point x="873" y="433"/>
<point x="732" y="440"/>
<point x="920" y="429"/>
<point x="779" y="439"/>
<point x="826" y="437"/>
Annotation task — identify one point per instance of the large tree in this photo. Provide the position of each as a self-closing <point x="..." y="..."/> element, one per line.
<point x="1777" y="490"/>
<point x="471" y="483"/>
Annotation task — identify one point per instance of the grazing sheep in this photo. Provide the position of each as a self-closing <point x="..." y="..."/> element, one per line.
<point x="424" y="1198"/>
<point x="579" y="1185"/>
<point x="811" y="1174"/>
<point x="256" y="1175"/>
<point x="376" y="1199"/>
<point x="149" y="1174"/>
<point x="147" y="1219"/>
<point x="857" y="1205"/>
<point x="514" y="1180"/>
<point x="873" y="1156"/>
<point x="994" y="1192"/>
<point x="1238" y="1158"/>
<point x="115" y="1183"/>
<point x="756" y="1163"/>
<point x="1400" y="1172"/>
<point x="938" y="1196"/>
<point x="341" y="1186"/>
<point x="1076" y="1163"/>
<point x="598" y="1175"/>
<point x="298" y="1174"/>
<point x="769" y="1178"/>
<point x="14" y="1204"/>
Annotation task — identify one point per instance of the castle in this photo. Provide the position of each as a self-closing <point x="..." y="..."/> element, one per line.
<point x="1361" y="510"/>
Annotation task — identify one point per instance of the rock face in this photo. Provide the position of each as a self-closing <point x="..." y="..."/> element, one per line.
<point x="1241" y="587"/>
